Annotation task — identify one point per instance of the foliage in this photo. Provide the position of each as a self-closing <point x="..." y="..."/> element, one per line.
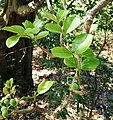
<point x="75" y="52"/>
<point x="79" y="56"/>
<point x="30" y="30"/>
<point x="9" y="104"/>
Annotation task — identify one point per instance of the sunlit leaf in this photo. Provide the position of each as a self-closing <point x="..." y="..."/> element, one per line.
<point x="13" y="89"/>
<point x="28" y="24"/>
<point x="61" y="14"/>
<point x="31" y="31"/>
<point x="82" y="43"/>
<point x="38" y="23"/>
<point x="49" y="16"/>
<point x="44" y="86"/>
<point x="15" y="29"/>
<point x="5" y="91"/>
<point x="12" y="41"/>
<point x="61" y="52"/>
<point x="9" y="83"/>
<point x="71" y="23"/>
<point x="42" y="34"/>
<point x="52" y="27"/>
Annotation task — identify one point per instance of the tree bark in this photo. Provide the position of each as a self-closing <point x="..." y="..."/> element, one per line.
<point x="17" y="65"/>
<point x="91" y="13"/>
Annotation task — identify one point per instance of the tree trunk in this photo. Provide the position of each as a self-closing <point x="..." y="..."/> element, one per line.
<point x="16" y="62"/>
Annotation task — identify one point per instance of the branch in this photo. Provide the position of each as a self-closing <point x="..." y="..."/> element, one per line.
<point x="48" y="4"/>
<point x="64" y="4"/>
<point x="91" y="13"/>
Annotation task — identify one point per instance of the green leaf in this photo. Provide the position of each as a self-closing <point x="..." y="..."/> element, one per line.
<point x="28" y="24"/>
<point x="71" y="62"/>
<point x="11" y="41"/>
<point x="30" y="36"/>
<point x="5" y="91"/>
<point x="71" y="23"/>
<point x="13" y="89"/>
<point x="53" y="28"/>
<point x="89" y="63"/>
<point x="74" y="86"/>
<point x="61" y="14"/>
<point x="44" y="86"/>
<point x="9" y="83"/>
<point x="31" y="31"/>
<point x="61" y="52"/>
<point x="82" y="43"/>
<point x="15" y="29"/>
<point x="42" y="34"/>
<point x="49" y="16"/>
<point x="38" y="23"/>
<point x="88" y="53"/>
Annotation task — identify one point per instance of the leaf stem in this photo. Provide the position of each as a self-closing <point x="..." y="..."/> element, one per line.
<point x="78" y="70"/>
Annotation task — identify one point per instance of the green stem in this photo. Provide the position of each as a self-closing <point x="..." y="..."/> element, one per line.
<point x="78" y="70"/>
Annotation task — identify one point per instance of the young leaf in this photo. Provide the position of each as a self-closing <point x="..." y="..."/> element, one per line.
<point x="44" y="86"/>
<point x="42" y="34"/>
<point x="53" y="28"/>
<point x="5" y="91"/>
<point x="89" y="63"/>
<point x="11" y="41"/>
<point x="31" y="31"/>
<point x="49" y="16"/>
<point x="28" y="24"/>
<point x="61" y="14"/>
<point x="9" y="83"/>
<point x="71" y="23"/>
<point x="71" y="62"/>
<point x="12" y="89"/>
<point x="82" y="43"/>
<point x="88" y="53"/>
<point x="61" y="52"/>
<point x="38" y="23"/>
<point x="30" y="36"/>
<point x="15" y="29"/>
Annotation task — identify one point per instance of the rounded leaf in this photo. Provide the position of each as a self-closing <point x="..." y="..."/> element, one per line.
<point x="89" y="63"/>
<point x="15" y="29"/>
<point x="71" y="62"/>
<point x="5" y="91"/>
<point x="61" y="52"/>
<point x="71" y="23"/>
<point x="44" y="86"/>
<point x="82" y="43"/>
<point x="88" y="53"/>
<point x="52" y="27"/>
<point x="42" y="35"/>
<point x="12" y="41"/>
